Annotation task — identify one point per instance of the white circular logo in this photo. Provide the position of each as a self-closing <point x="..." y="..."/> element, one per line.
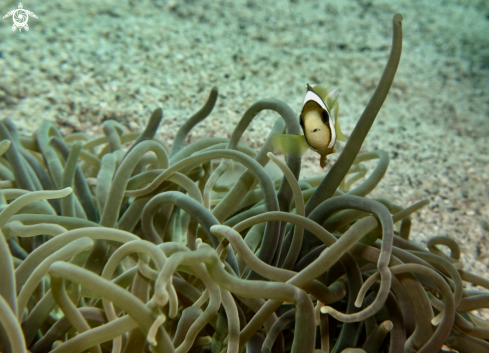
<point x="20" y="17"/>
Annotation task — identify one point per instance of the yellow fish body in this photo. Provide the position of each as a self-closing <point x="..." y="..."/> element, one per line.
<point x="320" y="127"/>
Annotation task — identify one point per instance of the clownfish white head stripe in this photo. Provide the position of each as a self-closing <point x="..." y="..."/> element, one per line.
<point x="312" y="96"/>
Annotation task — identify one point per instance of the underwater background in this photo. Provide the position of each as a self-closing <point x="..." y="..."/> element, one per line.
<point x="84" y="62"/>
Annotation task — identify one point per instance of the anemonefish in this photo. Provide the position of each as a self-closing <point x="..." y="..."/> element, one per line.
<point x="321" y="129"/>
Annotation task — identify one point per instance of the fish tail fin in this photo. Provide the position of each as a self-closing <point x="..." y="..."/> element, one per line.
<point x="322" y="161"/>
<point x="290" y="145"/>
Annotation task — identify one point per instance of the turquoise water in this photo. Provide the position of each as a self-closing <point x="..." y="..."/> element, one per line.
<point x="82" y="63"/>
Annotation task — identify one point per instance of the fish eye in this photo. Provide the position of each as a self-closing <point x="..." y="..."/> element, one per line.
<point x="325" y="117"/>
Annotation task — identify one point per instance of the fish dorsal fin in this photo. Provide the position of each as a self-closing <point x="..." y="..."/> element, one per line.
<point x="330" y="98"/>
<point x="290" y="145"/>
<point x="321" y="90"/>
<point x="313" y="96"/>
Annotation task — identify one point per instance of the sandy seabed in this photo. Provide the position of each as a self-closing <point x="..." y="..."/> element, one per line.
<point x="83" y="62"/>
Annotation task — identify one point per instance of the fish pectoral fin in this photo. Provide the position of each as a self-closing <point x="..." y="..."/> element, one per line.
<point x="290" y="145"/>
<point x="337" y="128"/>
<point x="339" y="133"/>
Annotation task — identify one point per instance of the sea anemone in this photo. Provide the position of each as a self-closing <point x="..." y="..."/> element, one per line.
<point x="119" y="243"/>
